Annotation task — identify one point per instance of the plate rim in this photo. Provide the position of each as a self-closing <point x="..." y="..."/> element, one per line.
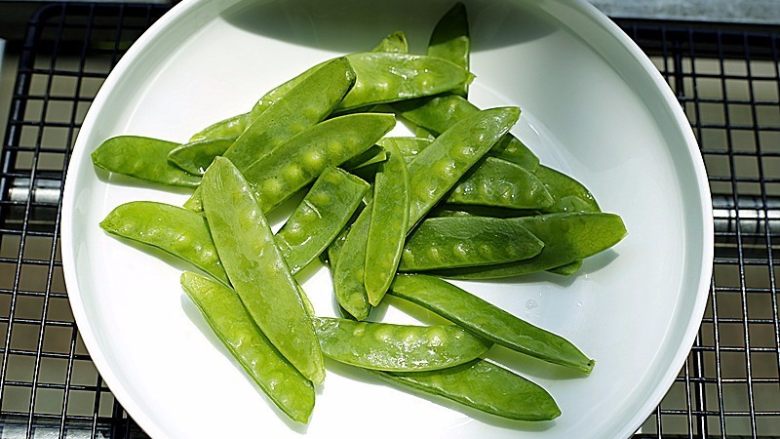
<point x="135" y="409"/>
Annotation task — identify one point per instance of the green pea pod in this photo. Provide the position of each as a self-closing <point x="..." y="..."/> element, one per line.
<point x="283" y="172"/>
<point x="229" y="128"/>
<point x="144" y="158"/>
<point x="568" y="269"/>
<point x="568" y="194"/>
<point x="499" y="183"/>
<point x="226" y="315"/>
<point x="393" y="77"/>
<point x="488" y="321"/>
<point x="195" y="157"/>
<point x="450" y="40"/>
<point x="439" y="113"/>
<point x="349" y="268"/>
<point x="484" y="386"/>
<point x="174" y="230"/>
<point x="335" y="248"/>
<point x="389" y="223"/>
<point x="309" y="102"/>
<point x="436" y="169"/>
<point x="319" y="218"/>
<point x="567" y="237"/>
<point x="394" y="43"/>
<point x="440" y="243"/>
<point x="408" y="147"/>
<point x="256" y="268"/>
<point x="399" y="348"/>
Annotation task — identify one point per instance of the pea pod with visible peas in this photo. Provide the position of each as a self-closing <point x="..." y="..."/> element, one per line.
<point x="389" y="224"/>
<point x="437" y="168"/>
<point x="383" y="346"/>
<point x="499" y="183"/>
<point x="437" y="114"/>
<point x="144" y="158"/>
<point x="488" y="321"/>
<point x="319" y="218"/>
<point x="256" y="268"/>
<point x="440" y="243"/>
<point x="179" y="232"/>
<point x="226" y="315"/>
<point x="567" y="237"/>
<point x="280" y="174"/>
<point x="484" y="386"/>
<point x="349" y="268"/>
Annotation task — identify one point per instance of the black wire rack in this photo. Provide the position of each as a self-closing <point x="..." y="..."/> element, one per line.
<point x="726" y="78"/>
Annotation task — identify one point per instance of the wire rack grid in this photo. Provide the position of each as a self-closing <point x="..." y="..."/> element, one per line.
<point x="726" y="79"/>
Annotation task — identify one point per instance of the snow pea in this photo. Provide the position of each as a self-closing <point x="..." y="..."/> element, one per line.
<point x="400" y="348"/>
<point x="568" y="269"/>
<point x="349" y="268"/>
<point x="195" y="157"/>
<point x="567" y="237"/>
<point x="309" y="102"/>
<point x="440" y="243"/>
<point x="439" y="113"/>
<point x="437" y="168"/>
<point x="396" y="42"/>
<point x="391" y="77"/>
<point x="450" y="40"/>
<point x="484" y="386"/>
<point x="284" y="171"/>
<point x="568" y="194"/>
<point x="372" y="156"/>
<point x="176" y="231"/>
<point x="144" y="158"/>
<point x="499" y="183"/>
<point x="256" y="268"/>
<point x="226" y="315"/>
<point x="319" y="218"/>
<point x="488" y="321"/>
<point x="229" y="128"/>
<point x="388" y="227"/>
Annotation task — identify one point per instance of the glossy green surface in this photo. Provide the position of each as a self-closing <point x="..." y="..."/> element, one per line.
<point x="488" y="321"/>
<point x="484" y="386"/>
<point x="382" y="346"/>
<point x="394" y="43"/>
<point x="450" y="40"/>
<point x="195" y="157"/>
<point x="256" y="268"/>
<point x="568" y="194"/>
<point x="174" y="230"/>
<point x="408" y="147"/>
<point x="144" y="158"/>
<point x="305" y="104"/>
<point x="389" y="224"/>
<point x="567" y="237"/>
<point x="230" y="128"/>
<point x="391" y="77"/>
<point x="439" y="113"/>
<point x="349" y="268"/>
<point x="286" y="170"/>
<point x="437" y="168"/>
<point x="319" y="218"/>
<point x="467" y="242"/>
<point x="226" y="315"/>
<point x="499" y="183"/>
<point x="568" y="269"/>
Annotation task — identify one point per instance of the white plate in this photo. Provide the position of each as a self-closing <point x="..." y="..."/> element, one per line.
<point x="594" y="107"/>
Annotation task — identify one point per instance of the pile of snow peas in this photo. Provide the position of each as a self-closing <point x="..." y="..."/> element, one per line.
<point x="463" y="199"/>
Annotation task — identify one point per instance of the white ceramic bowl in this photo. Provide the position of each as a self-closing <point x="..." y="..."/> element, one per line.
<point x="594" y="107"/>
